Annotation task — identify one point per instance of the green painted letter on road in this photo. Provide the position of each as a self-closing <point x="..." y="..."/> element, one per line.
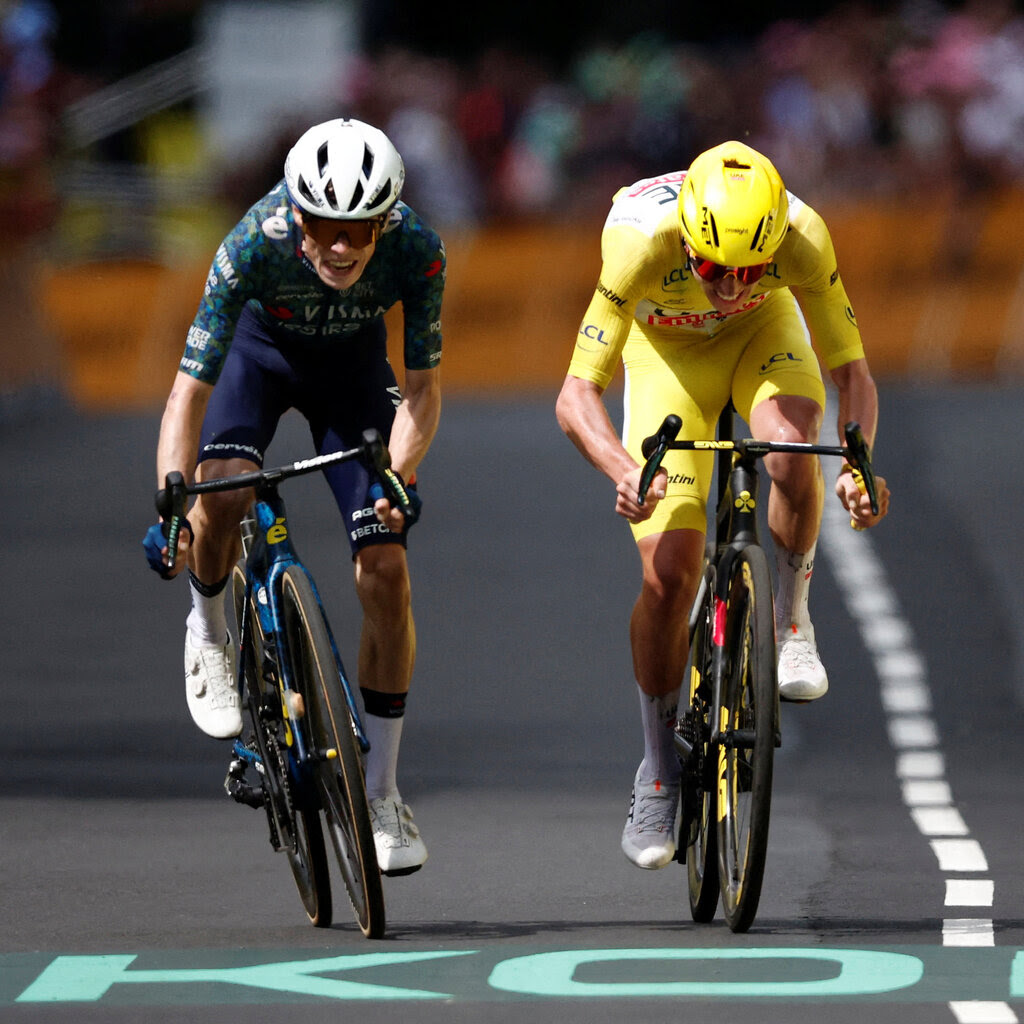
<point x="854" y="972"/>
<point x="70" y="979"/>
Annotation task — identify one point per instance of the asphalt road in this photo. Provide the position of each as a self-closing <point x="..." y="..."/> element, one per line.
<point x="132" y="888"/>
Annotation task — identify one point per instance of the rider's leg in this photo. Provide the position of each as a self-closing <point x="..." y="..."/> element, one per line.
<point x="215" y="549"/>
<point x="797" y="494"/>
<point x="387" y="654"/>
<point x="671" y="564"/>
<point x="210" y="685"/>
<point x="794" y="518"/>
<point x="659" y="635"/>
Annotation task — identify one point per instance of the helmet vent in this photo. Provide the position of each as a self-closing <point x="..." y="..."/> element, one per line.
<point x="735" y="165"/>
<point x="357" y="196"/>
<point x="757" y="234"/>
<point x="713" y="224"/>
<point x="367" y="160"/>
<point x="305" y="192"/>
<point x="321" y="159"/>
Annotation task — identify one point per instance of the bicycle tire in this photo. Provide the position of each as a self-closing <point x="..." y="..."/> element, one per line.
<point x="294" y="825"/>
<point x="329" y="727"/>
<point x="699" y="790"/>
<point x="747" y="749"/>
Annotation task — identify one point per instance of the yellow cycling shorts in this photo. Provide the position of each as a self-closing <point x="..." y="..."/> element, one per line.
<point x="758" y="355"/>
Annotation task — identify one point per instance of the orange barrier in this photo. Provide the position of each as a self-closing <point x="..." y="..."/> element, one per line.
<point x="933" y="296"/>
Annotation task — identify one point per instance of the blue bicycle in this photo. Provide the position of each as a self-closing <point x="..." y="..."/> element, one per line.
<point x="301" y="756"/>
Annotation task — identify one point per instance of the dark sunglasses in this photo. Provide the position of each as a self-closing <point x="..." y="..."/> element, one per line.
<point x="325" y="230"/>
<point x="708" y="271"/>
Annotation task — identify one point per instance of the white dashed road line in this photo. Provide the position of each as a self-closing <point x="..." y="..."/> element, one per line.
<point x="914" y="736"/>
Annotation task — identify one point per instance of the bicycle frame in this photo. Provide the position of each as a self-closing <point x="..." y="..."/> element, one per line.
<point x="724" y="738"/>
<point x="307" y="741"/>
<point x="735" y="527"/>
<point x="268" y="553"/>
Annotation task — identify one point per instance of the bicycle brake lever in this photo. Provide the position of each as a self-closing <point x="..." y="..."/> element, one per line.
<point x="379" y="458"/>
<point x="859" y="457"/>
<point x="170" y="505"/>
<point x="375" y="451"/>
<point x="654" y="449"/>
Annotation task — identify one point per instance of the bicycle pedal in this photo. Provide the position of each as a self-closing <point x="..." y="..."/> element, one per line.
<point x="238" y="789"/>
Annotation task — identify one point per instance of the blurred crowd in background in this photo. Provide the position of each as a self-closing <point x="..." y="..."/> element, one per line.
<point x="862" y="99"/>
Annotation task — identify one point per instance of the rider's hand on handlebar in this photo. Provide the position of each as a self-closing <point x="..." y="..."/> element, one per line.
<point x="856" y="501"/>
<point x="625" y="495"/>
<point x="392" y="516"/>
<point x="155" y="546"/>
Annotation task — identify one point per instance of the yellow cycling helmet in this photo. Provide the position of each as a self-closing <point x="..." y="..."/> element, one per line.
<point x="733" y="208"/>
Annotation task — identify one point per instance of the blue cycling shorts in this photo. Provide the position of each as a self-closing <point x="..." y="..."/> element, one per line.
<point x="341" y="389"/>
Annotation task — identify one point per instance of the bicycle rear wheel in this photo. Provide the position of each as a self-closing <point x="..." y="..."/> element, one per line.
<point x="294" y="826"/>
<point x="699" y="789"/>
<point x="747" y="748"/>
<point x="330" y="731"/>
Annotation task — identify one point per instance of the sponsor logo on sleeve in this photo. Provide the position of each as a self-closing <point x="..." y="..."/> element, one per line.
<point x="611" y="296"/>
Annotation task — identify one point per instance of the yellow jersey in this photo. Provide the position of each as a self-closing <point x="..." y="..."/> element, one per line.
<point x="647" y="290"/>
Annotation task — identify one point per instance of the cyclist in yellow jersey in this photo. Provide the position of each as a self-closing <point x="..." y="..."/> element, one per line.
<point x="712" y="284"/>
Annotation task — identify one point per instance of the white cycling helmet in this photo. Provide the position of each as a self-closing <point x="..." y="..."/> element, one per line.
<point x="345" y="170"/>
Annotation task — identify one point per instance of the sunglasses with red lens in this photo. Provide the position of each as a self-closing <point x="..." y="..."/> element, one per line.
<point x="708" y="271"/>
<point x="325" y="230"/>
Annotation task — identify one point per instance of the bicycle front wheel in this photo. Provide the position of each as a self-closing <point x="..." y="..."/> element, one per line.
<point x="699" y="790"/>
<point x="330" y="731"/>
<point x="747" y="748"/>
<point x="294" y="828"/>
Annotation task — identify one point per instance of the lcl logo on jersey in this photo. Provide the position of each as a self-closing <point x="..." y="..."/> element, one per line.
<point x="779" y="359"/>
<point x="594" y="333"/>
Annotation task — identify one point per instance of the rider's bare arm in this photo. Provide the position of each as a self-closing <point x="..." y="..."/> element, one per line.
<point x="858" y="401"/>
<point x="180" y="427"/>
<point x="179" y="441"/>
<point x="583" y="416"/>
<point x="412" y="432"/>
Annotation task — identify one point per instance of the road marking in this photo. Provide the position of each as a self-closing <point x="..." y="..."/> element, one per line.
<point x="912" y="731"/>
<point x="969" y="892"/>
<point x="983" y="1013"/>
<point x="959" y="855"/>
<point x="927" y="793"/>
<point x="938" y="821"/>
<point x="914" y="736"/>
<point x="920" y="764"/>
<point x="968" y="931"/>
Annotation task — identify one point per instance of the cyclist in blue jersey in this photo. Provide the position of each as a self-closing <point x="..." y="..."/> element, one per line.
<point x="292" y="316"/>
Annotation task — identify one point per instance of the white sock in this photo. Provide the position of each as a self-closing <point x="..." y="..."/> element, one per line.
<point x="791" y="597"/>
<point x="385" y="736"/>
<point x="207" y="621"/>
<point x="658" y="715"/>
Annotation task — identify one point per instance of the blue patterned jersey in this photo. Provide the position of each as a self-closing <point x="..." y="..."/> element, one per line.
<point x="261" y="264"/>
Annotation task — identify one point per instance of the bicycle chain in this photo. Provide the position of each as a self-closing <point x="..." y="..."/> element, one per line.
<point x="277" y="808"/>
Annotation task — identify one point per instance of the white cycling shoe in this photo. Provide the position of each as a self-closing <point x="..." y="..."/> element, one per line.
<point x="211" y="690"/>
<point x="400" y="850"/>
<point x="801" y="674"/>
<point x="649" y="838"/>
